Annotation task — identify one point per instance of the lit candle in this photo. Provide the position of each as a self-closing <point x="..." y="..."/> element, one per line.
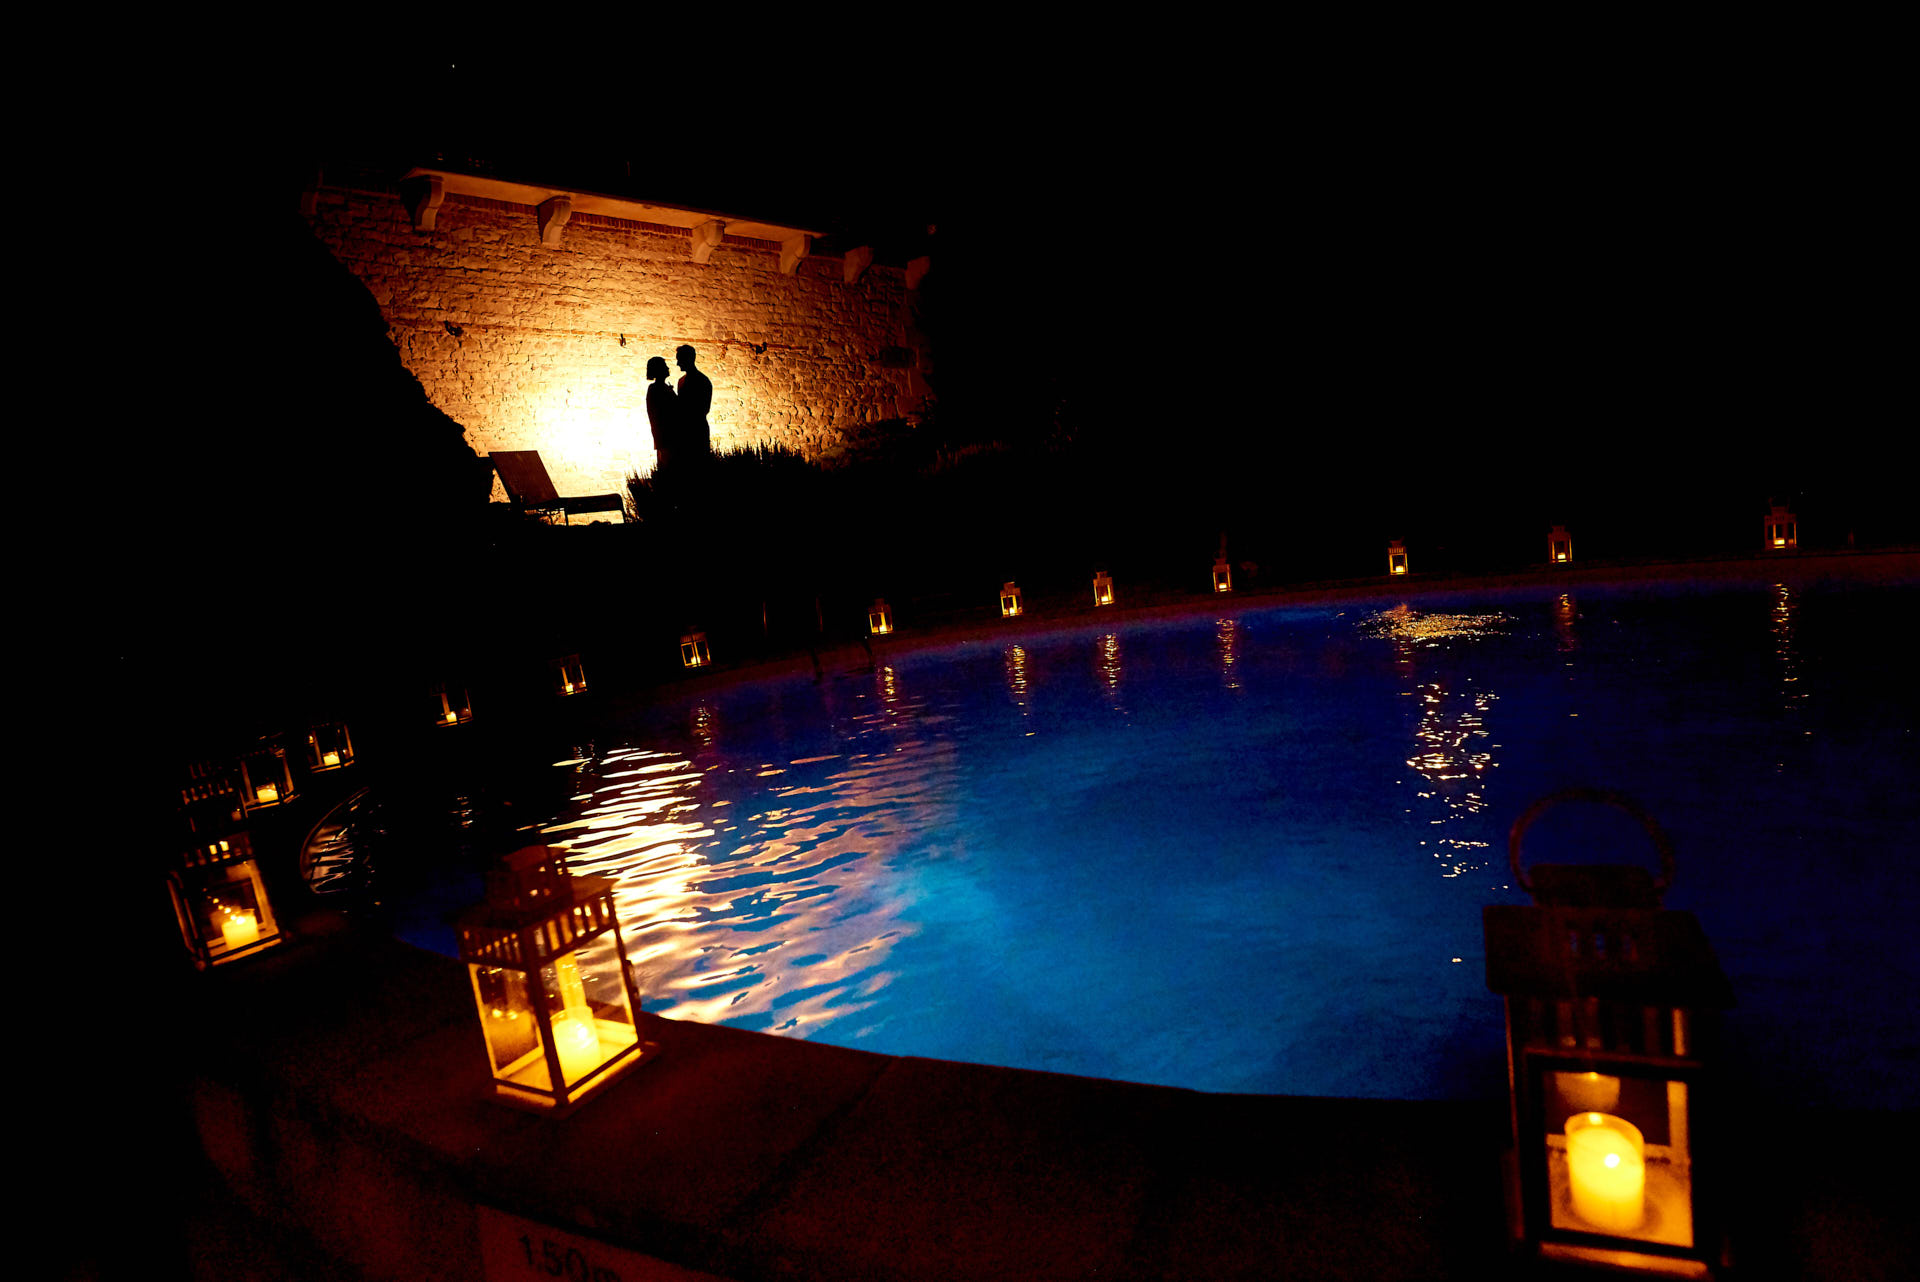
<point x="267" y="792"/>
<point x="452" y="716"/>
<point x="330" y="759"/>
<point x="1588" y="1092"/>
<point x="1607" y="1171"/>
<point x="569" y="687"/>
<point x="578" y="1044"/>
<point x="239" y="928"/>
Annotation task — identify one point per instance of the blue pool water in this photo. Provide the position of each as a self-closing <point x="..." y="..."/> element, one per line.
<point x="1248" y="851"/>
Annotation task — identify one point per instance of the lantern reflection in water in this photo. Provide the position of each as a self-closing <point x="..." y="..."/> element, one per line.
<point x="551" y="984"/>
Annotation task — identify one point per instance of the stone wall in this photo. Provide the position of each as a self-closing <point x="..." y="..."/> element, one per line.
<point x="537" y="348"/>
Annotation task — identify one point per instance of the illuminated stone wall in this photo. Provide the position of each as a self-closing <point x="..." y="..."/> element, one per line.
<point x="537" y="348"/>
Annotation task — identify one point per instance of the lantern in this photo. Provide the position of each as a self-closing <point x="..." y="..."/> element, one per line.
<point x="1610" y="1004"/>
<point x="880" y="617"/>
<point x="693" y="650"/>
<point x="1222" y="575"/>
<point x="569" y="678"/>
<point x="265" y="779"/>
<point x="1559" y="545"/>
<point x="551" y="983"/>
<point x="1102" y="588"/>
<point x="450" y="704"/>
<point x="1396" y="557"/>
<point x="1009" y="600"/>
<point x="220" y="901"/>
<point x="329" y="746"/>
<point x="1783" y="530"/>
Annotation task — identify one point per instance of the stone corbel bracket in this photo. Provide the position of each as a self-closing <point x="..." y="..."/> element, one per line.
<point x="424" y="194"/>
<point x="792" y="250"/>
<point x="554" y="213"/>
<point x="707" y="237"/>
<point x="855" y="264"/>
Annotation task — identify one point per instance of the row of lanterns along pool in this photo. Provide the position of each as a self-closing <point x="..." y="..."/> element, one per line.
<point x="1781" y="534"/>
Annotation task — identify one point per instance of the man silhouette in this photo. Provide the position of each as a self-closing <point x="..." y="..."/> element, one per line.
<point x="696" y="398"/>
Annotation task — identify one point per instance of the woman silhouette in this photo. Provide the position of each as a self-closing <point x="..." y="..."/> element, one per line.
<point x="662" y="414"/>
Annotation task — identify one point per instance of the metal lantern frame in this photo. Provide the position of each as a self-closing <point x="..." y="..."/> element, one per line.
<point x="1396" y="557"/>
<point x="1559" y="545"/>
<point x="1102" y="588"/>
<point x="451" y="703"/>
<point x="1010" y="601"/>
<point x="569" y="676"/>
<point x="1782" y="531"/>
<point x="1612" y="1008"/>
<point x="266" y="780"/>
<point x="694" y="651"/>
<point x="880" y="617"/>
<point x="1222" y="575"/>
<point x="329" y="739"/>
<point x="536" y="919"/>
<point x="221" y="902"/>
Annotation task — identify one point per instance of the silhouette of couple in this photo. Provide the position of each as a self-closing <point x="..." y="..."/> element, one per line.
<point x="679" y="419"/>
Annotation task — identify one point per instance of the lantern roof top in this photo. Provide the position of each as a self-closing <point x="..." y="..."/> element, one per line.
<point x="1627" y="953"/>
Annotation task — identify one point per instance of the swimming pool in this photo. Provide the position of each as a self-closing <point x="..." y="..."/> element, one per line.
<point x="1248" y="851"/>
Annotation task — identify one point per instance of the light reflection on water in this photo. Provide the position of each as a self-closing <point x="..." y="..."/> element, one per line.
<point x="1266" y="875"/>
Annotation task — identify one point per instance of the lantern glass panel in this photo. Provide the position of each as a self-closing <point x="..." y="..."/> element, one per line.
<point x="1222" y="577"/>
<point x="224" y="912"/>
<point x="264" y="779"/>
<point x="879" y="620"/>
<point x="450" y="706"/>
<point x="569" y="676"/>
<point x="329" y="747"/>
<point x="1616" y="1146"/>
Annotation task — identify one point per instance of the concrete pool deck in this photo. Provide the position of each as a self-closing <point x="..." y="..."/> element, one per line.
<point x="349" y="1121"/>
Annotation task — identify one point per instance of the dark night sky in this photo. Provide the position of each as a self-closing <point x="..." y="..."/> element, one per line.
<point x="1671" y="259"/>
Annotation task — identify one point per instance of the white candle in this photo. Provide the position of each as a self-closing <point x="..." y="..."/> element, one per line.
<point x="239" y="929"/>
<point x="1607" y="1171"/>
<point x="1588" y="1092"/>
<point x="579" y="1046"/>
<point x="452" y="716"/>
<point x="267" y="792"/>
<point x="330" y="759"/>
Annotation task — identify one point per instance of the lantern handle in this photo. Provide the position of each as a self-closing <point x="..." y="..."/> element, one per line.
<point x="1599" y="796"/>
